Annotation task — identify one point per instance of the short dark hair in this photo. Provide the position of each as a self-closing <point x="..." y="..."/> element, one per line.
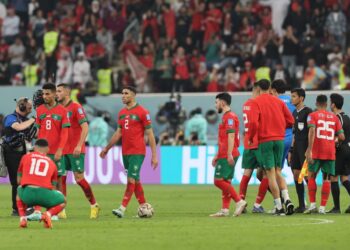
<point x="255" y="85"/>
<point x="321" y="99"/>
<point x="337" y="100"/>
<point x="279" y="85"/>
<point x="49" y="86"/>
<point x="264" y="84"/>
<point x="300" y="92"/>
<point x="64" y="85"/>
<point x="42" y="143"/>
<point x="131" y="88"/>
<point x="225" y="97"/>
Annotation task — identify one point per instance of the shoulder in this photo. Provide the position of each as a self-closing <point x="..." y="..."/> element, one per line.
<point x="142" y="109"/>
<point x="307" y="110"/>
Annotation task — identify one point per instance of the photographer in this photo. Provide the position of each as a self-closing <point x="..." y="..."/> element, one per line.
<point x="17" y="129"/>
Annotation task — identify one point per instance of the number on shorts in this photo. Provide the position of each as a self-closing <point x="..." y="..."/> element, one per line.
<point x="325" y="126"/>
<point x="39" y="167"/>
<point x="48" y="124"/>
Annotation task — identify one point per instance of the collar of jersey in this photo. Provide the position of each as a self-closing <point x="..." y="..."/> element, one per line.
<point x="70" y="101"/>
<point x="133" y="107"/>
<point x="52" y="106"/>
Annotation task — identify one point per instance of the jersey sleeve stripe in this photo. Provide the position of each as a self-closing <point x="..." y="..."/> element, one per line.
<point x="19" y="174"/>
<point x="83" y="120"/>
<point x="229" y="131"/>
<point x="340" y="132"/>
<point x="311" y="126"/>
<point x="54" y="183"/>
<point x="148" y="126"/>
<point x="66" y="125"/>
<point x="37" y="125"/>
<point x="119" y="126"/>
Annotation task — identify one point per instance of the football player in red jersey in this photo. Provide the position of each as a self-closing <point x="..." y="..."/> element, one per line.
<point x="133" y="121"/>
<point x="323" y="126"/>
<point x="37" y="176"/>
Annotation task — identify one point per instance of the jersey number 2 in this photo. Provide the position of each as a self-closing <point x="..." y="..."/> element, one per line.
<point x="126" y="124"/>
<point x="245" y="120"/>
<point x="39" y="167"/>
<point x="325" y="126"/>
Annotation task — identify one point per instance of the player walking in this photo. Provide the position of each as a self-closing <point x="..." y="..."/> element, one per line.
<point x="133" y="121"/>
<point x="226" y="158"/>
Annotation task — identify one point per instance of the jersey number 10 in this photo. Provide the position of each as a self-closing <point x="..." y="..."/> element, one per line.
<point x="39" y="167"/>
<point x="325" y="126"/>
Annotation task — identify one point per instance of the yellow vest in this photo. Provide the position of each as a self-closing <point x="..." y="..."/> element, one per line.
<point x="104" y="81"/>
<point x="50" y="41"/>
<point x="262" y="73"/>
<point x="342" y="79"/>
<point x="31" y="75"/>
<point x="74" y="95"/>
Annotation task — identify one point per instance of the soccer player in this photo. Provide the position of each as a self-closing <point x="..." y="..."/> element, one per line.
<point x="37" y="176"/>
<point x="250" y="157"/>
<point x="133" y="121"/>
<point x="74" y="151"/>
<point x="320" y="153"/>
<point x="300" y="142"/>
<point x="226" y="158"/>
<point x="342" y="156"/>
<point x="270" y="119"/>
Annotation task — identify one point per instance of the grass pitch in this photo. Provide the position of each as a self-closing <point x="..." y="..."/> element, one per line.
<point x="181" y="222"/>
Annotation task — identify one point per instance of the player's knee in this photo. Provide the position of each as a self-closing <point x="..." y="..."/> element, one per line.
<point x="131" y="180"/>
<point x="78" y="176"/>
<point x="217" y="182"/>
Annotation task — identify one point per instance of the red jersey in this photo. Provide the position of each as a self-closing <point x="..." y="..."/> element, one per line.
<point x="248" y="116"/>
<point x="51" y="122"/>
<point x="133" y="123"/>
<point x="37" y="169"/>
<point x="326" y="125"/>
<point x="76" y="115"/>
<point x="230" y="124"/>
<point x="271" y="117"/>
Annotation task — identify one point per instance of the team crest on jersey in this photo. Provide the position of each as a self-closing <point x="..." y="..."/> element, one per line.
<point x="300" y="126"/>
<point x="230" y="122"/>
<point x="80" y="111"/>
<point x="148" y="117"/>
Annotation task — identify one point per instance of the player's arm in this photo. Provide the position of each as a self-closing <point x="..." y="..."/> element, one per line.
<point x="253" y="124"/>
<point x="114" y="139"/>
<point x="84" y="132"/>
<point x="339" y="131"/>
<point x="23" y="125"/>
<point x="20" y="171"/>
<point x="152" y="144"/>
<point x="311" y="138"/>
<point x="63" y="141"/>
<point x="54" y="177"/>
<point x="288" y="116"/>
<point x="230" y="146"/>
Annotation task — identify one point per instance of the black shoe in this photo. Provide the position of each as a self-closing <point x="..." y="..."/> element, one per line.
<point x="29" y="210"/>
<point x="299" y="210"/>
<point x="347" y="211"/>
<point x="244" y="210"/>
<point x="289" y="207"/>
<point x="279" y="212"/>
<point x="14" y="213"/>
<point x="334" y="211"/>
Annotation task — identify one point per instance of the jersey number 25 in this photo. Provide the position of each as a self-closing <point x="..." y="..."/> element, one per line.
<point x="325" y="126"/>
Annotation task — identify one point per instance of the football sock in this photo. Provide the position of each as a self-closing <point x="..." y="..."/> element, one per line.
<point x="285" y="195"/>
<point x="227" y="188"/>
<point x="140" y="196"/>
<point x="264" y="185"/>
<point x="335" y="194"/>
<point x="64" y="185"/>
<point x="346" y="184"/>
<point x="300" y="192"/>
<point x="326" y="189"/>
<point x="226" y="200"/>
<point x="55" y="210"/>
<point x="21" y="208"/>
<point x="243" y="186"/>
<point x="37" y="208"/>
<point x="87" y="191"/>
<point x="130" y="188"/>
<point x="278" y="203"/>
<point x="312" y="190"/>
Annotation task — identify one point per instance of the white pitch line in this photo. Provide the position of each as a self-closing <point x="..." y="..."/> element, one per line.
<point x="315" y="222"/>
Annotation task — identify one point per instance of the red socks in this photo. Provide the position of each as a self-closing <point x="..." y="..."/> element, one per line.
<point x="64" y="185"/>
<point x="312" y="189"/>
<point x="130" y="188"/>
<point x="140" y="196"/>
<point x="55" y="210"/>
<point x="243" y="186"/>
<point x="227" y="188"/>
<point x="21" y="208"/>
<point x="326" y="189"/>
<point x="264" y="185"/>
<point x="87" y="191"/>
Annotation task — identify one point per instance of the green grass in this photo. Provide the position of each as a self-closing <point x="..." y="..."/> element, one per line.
<point x="181" y="222"/>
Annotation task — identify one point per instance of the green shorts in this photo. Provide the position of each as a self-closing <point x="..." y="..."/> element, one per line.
<point x="327" y="166"/>
<point x="74" y="164"/>
<point x="250" y="159"/>
<point x="132" y="164"/>
<point x="223" y="170"/>
<point x="60" y="165"/>
<point x="40" y="196"/>
<point x="271" y="154"/>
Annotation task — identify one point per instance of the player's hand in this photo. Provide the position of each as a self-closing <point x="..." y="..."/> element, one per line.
<point x="289" y="158"/>
<point x="58" y="154"/>
<point x="103" y="153"/>
<point x="230" y="160"/>
<point x="214" y="161"/>
<point x="154" y="162"/>
<point x="308" y="156"/>
<point x="77" y="151"/>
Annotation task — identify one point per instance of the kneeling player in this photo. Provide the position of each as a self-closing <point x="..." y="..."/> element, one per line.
<point x="37" y="176"/>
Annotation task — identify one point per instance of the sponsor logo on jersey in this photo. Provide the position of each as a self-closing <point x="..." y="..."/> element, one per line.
<point x="300" y="125"/>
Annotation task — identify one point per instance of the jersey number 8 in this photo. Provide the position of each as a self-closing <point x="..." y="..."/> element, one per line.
<point x="48" y="124"/>
<point x="39" y="167"/>
<point x="325" y="126"/>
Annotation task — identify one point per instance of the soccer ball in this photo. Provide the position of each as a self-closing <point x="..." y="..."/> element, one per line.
<point x="145" y="211"/>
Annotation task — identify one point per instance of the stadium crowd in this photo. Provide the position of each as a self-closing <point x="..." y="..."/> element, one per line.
<point x="181" y="45"/>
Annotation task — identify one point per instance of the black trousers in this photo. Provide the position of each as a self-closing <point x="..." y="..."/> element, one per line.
<point x="12" y="160"/>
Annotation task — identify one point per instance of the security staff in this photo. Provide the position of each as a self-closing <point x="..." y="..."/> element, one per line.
<point x="17" y="129"/>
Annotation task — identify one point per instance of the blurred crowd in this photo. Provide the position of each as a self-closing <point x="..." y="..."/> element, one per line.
<point x="175" y="45"/>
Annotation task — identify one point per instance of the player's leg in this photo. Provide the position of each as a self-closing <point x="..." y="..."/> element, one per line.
<point x="328" y="169"/>
<point x="21" y="206"/>
<point x="335" y="194"/>
<point x="136" y="161"/>
<point x="263" y="187"/>
<point x="346" y="183"/>
<point x="297" y="161"/>
<point x="76" y="164"/>
<point x="248" y="164"/>
<point x="312" y="187"/>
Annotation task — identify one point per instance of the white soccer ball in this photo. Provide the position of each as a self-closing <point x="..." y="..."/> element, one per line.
<point x="145" y="211"/>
